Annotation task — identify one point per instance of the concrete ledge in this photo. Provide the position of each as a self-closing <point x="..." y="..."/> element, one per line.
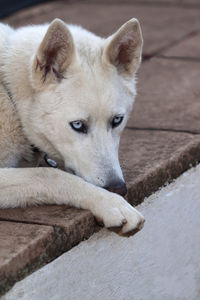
<point x="23" y="248"/>
<point x="26" y="244"/>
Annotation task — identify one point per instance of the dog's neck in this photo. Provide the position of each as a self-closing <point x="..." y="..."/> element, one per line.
<point x="42" y="157"/>
<point x="21" y="98"/>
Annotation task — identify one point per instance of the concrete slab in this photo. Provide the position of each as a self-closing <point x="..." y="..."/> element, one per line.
<point x="168" y="96"/>
<point x="160" y="262"/>
<point x="23" y="247"/>
<point x="187" y="49"/>
<point x="162" y="26"/>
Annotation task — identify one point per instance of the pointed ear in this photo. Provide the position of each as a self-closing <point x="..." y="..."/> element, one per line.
<point x="54" y="54"/>
<point x="124" y="48"/>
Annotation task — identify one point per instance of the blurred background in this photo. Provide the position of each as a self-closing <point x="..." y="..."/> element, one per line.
<point x="164" y="22"/>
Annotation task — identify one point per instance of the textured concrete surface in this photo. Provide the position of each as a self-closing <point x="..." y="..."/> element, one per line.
<point x="25" y="246"/>
<point x="22" y="248"/>
<point x="160" y="262"/>
<point x="71" y="220"/>
<point x="162" y="26"/>
<point x="168" y="96"/>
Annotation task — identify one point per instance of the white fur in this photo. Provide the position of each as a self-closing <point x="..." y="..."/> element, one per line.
<point x="88" y="79"/>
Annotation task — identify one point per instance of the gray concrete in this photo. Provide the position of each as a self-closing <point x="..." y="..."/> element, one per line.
<point x="160" y="262"/>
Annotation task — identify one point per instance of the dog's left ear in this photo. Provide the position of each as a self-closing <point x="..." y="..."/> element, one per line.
<point x="124" y="48"/>
<point x="54" y="55"/>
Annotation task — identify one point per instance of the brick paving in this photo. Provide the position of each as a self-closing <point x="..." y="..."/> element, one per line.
<point x="163" y="135"/>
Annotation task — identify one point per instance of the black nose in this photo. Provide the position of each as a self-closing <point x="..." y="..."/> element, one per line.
<point x="118" y="187"/>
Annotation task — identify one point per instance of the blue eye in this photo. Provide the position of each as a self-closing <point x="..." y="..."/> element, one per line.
<point x="117" y="121"/>
<point x="78" y="126"/>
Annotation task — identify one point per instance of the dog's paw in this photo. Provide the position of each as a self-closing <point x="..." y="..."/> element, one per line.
<point x="119" y="216"/>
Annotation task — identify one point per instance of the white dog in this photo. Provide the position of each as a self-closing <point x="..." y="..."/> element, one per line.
<point x="69" y="93"/>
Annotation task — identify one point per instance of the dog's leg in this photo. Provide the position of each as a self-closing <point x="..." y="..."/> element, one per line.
<point x="29" y="186"/>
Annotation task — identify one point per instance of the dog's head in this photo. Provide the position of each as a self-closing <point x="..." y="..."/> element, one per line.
<point x="84" y="89"/>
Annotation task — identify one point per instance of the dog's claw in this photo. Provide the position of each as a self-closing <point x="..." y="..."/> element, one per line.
<point x="134" y="231"/>
<point x="119" y="229"/>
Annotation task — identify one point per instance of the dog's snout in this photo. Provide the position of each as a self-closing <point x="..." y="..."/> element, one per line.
<point x="118" y="187"/>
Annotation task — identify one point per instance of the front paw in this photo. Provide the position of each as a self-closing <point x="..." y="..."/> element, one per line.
<point x="119" y="216"/>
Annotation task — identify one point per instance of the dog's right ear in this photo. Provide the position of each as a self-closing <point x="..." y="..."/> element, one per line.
<point x="124" y="48"/>
<point x="54" y="55"/>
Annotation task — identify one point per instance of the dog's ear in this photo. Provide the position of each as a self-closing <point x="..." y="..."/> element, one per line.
<point x="124" y="48"/>
<point x="54" y="54"/>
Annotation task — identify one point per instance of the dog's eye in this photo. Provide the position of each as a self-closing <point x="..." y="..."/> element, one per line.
<point x="78" y="126"/>
<point x="117" y="121"/>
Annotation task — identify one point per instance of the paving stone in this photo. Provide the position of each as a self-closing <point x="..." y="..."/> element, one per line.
<point x="161" y="25"/>
<point x="71" y="225"/>
<point x="22" y="248"/>
<point x="25" y="247"/>
<point x="168" y="96"/>
<point x="152" y="158"/>
<point x="76" y="224"/>
<point x="189" y="48"/>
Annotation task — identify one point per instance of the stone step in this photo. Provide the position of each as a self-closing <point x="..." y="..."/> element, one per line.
<point x="26" y="243"/>
<point x="23" y="247"/>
